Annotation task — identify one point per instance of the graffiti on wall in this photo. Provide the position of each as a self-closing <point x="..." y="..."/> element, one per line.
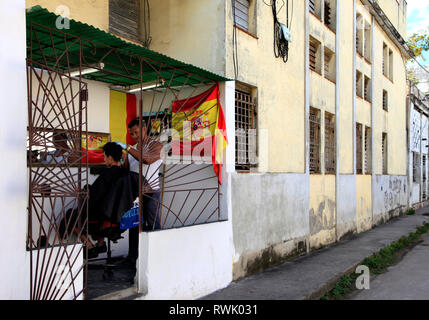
<point x="393" y="189"/>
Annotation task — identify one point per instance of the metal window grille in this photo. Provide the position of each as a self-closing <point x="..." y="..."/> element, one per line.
<point x="328" y="12"/>
<point x="315" y="141"/>
<point x="385" y="61"/>
<point x="312" y="5"/>
<point x="246" y="131"/>
<point x="416" y="164"/>
<point x="327" y="60"/>
<point x="384" y="153"/>
<point x="241" y="13"/>
<point x="385" y="100"/>
<point x="368" y="150"/>
<point x="330" y="149"/>
<point x="367" y="89"/>
<point x="359" y="155"/>
<point x="359" y="84"/>
<point x="313" y="55"/>
<point x="124" y="18"/>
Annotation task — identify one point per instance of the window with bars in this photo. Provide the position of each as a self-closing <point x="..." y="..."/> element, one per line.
<point x="367" y="89"/>
<point x="124" y="18"/>
<point x="384" y="153"/>
<point x="359" y="34"/>
<point x="368" y="151"/>
<point x="330" y="145"/>
<point x="359" y="154"/>
<point x="330" y="67"/>
<point x="330" y="10"/>
<point x="390" y="64"/>
<point x="315" y="167"/>
<point x="245" y="130"/>
<point x="315" y="55"/>
<point x="359" y="85"/>
<point x="315" y="7"/>
<point x="241" y="13"/>
<point x="385" y="100"/>
<point x="368" y="38"/>
<point x="416" y="166"/>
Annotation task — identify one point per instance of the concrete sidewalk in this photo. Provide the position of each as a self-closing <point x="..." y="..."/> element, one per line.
<point x="310" y="276"/>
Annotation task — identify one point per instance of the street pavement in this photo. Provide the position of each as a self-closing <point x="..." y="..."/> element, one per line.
<point x="408" y="280"/>
<point x="310" y="276"/>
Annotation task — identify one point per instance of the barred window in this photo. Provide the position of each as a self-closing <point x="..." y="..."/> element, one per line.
<point x="330" y="15"/>
<point x="416" y="167"/>
<point x="245" y="130"/>
<point x="367" y="89"/>
<point x="330" y="145"/>
<point x="359" y="86"/>
<point x="359" y="155"/>
<point x="314" y="141"/>
<point x="316" y="8"/>
<point x="330" y="65"/>
<point x="241" y="13"/>
<point x="368" y="151"/>
<point x="384" y="153"/>
<point x="385" y="100"/>
<point x="315" y="55"/>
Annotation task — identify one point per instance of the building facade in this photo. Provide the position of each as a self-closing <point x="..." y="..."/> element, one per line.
<point x="317" y="126"/>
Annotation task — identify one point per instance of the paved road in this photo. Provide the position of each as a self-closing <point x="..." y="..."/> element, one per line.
<point x="308" y="277"/>
<point x="408" y="280"/>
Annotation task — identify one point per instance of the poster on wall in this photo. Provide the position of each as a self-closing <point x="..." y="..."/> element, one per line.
<point x="94" y="143"/>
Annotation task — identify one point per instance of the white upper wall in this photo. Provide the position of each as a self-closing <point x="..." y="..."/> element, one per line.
<point x="14" y="271"/>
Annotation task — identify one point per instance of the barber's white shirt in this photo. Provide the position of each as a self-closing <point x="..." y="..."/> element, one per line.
<point x="150" y="172"/>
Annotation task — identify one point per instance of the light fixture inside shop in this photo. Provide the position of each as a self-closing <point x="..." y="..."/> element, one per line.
<point x="147" y="86"/>
<point x="95" y="68"/>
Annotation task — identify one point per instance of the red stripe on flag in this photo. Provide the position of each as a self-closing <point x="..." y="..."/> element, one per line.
<point x="131" y="115"/>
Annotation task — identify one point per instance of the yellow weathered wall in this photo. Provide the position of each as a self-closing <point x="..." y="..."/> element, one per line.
<point x="93" y="12"/>
<point x="392" y="121"/>
<point x="363" y="203"/>
<point x="345" y="81"/>
<point x="395" y="14"/>
<point x="190" y="31"/>
<point x="280" y="86"/>
<point x="322" y="210"/>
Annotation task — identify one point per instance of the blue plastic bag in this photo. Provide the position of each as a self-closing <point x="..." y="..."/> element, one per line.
<point x="130" y="219"/>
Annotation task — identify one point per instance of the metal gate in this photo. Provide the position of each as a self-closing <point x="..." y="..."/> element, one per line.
<point x="57" y="174"/>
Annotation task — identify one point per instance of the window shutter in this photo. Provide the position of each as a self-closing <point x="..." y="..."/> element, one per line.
<point x="124" y="18"/>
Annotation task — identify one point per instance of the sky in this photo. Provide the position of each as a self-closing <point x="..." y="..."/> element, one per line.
<point x="418" y="19"/>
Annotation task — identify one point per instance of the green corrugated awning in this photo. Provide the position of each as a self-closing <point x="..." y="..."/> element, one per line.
<point x="85" y="45"/>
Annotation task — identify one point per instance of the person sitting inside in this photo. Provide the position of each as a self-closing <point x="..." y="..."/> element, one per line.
<point x="110" y="196"/>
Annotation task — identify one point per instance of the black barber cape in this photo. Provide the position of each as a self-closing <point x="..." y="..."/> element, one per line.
<point x="112" y="194"/>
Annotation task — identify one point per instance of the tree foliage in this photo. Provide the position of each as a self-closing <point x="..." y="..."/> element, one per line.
<point x="419" y="42"/>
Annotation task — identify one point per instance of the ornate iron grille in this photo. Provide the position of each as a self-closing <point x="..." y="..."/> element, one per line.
<point x="245" y="131"/>
<point x="57" y="116"/>
<point x="330" y="149"/>
<point x="315" y="141"/>
<point x="189" y="191"/>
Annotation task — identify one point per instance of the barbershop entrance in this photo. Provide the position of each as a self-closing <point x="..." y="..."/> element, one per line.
<point x="81" y="78"/>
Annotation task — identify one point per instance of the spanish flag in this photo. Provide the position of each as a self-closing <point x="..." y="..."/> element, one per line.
<point x="200" y="122"/>
<point x="123" y="109"/>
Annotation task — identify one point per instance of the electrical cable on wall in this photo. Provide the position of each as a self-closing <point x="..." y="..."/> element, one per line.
<point x="281" y="32"/>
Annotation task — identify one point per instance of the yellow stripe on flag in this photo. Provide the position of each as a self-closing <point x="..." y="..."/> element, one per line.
<point x="118" y="116"/>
